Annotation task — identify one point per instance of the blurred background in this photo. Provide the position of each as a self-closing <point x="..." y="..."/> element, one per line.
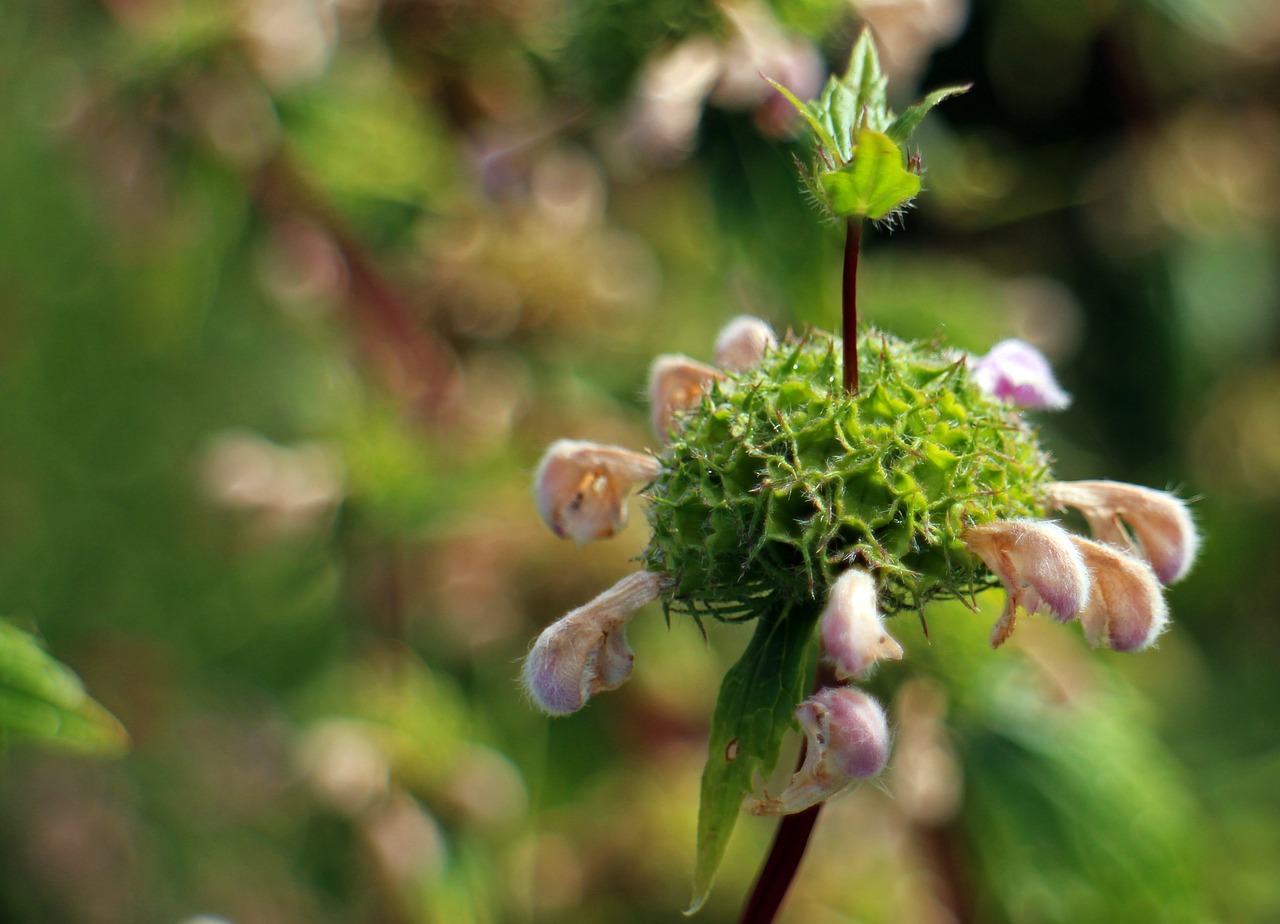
<point x="293" y="293"/>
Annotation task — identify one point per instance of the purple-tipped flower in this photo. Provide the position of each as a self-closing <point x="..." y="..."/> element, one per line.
<point x="743" y="342"/>
<point x="582" y="487"/>
<point x="586" y="651"/>
<point x="676" y="383"/>
<point x="1165" y="531"/>
<point x="847" y="739"/>
<point x="1039" y="565"/>
<point x="1017" y="372"/>
<point x="852" y="628"/>
<point x="1126" y="610"/>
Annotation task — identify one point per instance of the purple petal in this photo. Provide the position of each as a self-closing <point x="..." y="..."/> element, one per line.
<point x="1017" y="372"/>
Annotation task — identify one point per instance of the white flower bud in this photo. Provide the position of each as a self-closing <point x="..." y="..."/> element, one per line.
<point x="846" y="739"/>
<point x="582" y="487"/>
<point x="586" y="651"/>
<point x="1161" y="522"/>
<point x="743" y="342"/>
<point x="1126" y="610"/>
<point x="852" y="628"/>
<point x="1039" y="565"/>
<point x="676" y="383"/>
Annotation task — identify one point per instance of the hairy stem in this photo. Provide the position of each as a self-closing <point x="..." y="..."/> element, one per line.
<point x="849" y="304"/>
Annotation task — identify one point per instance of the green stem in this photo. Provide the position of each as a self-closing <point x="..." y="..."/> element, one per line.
<point x="849" y="304"/>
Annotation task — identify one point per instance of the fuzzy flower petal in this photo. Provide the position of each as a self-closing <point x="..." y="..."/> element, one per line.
<point x="1017" y="372"/>
<point x="1126" y="611"/>
<point x="676" y="383"/>
<point x="1161" y="522"/>
<point x="586" y="651"/>
<point x="1039" y="565"/>
<point x="846" y="738"/>
<point x="743" y="343"/>
<point x="852" y="628"/>
<point x="582" y="487"/>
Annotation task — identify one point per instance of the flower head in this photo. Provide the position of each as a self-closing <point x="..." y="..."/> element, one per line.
<point x="1126" y="611"/>
<point x="1017" y="372"/>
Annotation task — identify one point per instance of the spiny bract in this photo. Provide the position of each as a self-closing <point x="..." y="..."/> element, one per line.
<point x="778" y="480"/>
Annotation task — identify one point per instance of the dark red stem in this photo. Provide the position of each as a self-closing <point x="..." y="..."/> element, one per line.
<point x="849" y="304"/>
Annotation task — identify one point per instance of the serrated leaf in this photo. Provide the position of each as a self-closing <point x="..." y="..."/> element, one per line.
<point x="855" y="100"/>
<point x="42" y="698"/>
<point x="901" y="128"/>
<point x="874" y="183"/>
<point x="753" y="712"/>
<point x="806" y="112"/>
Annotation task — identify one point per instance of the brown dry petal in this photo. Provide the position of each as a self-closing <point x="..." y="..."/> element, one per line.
<point x="582" y="487"/>
<point x="1126" y="611"/>
<point x="1166" y="534"/>
<point x="676" y="383"/>
<point x="1039" y="565"/>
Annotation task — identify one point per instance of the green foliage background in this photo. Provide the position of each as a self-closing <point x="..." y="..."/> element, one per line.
<point x="292" y="296"/>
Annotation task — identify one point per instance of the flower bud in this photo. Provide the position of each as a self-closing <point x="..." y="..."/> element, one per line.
<point x="743" y="342"/>
<point x="1126" y="610"/>
<point x="1039" y="566"/>
<point x="1161" y="522"/>
<point x="852" y="628"/>
<point x="586" y="651"/>
<point x="846" y="739"/>
<point x="582" y="487"/>
<point x="1017" y="372"/>
<point x="676" y="383"/>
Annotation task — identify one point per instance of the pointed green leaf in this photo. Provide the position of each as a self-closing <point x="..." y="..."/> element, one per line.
<point x="42" y="698"/>
<point x="904" y="125"/>
<point x="753" y="712"/>
<point x="824" y="136"/>
<point x="874" y="183"/>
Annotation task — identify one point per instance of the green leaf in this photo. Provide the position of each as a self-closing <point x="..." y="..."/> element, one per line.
<point x="874" y="183"/>
<point x="855" y="100"/>
<point x="42" y="698"/>
<point x="901" y="128"/>
<point x="824" y="137"/>
<point x="754" y="711"/>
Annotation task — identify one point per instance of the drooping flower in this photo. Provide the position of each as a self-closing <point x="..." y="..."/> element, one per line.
<point x="846" y="740"/>
<point x="582" y="487"/>
<point x="676" y="383"/>
<point x="586" y="651"/>
<point x="1016" y="372"/>
<point x="1167" y="536"/>
<point x="1039" y="566"/>
<point x="1126" y="611"/>
<point x="743" y="342"/>
<point x="852" y="628"/>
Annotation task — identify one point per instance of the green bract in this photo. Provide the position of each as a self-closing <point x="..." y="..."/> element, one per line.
<point x="779" y="480"/>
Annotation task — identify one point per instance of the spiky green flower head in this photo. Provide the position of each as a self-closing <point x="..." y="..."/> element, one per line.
<point x="778" y="480"/>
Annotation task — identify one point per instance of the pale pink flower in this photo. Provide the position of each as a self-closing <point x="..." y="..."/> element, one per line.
<point x="582" y="487"/>
<point x="1166" y="534"/>
<point x="1016" y="372"/>
<point x="586" y="651"/>
<point x="847" y="739"/>
<point x="852" y="628"/>
<point x="743" y="342"/>
<point x="676" y="383"/>
<point x="1126" y="610"/>
<point x="1039" y="565"/>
